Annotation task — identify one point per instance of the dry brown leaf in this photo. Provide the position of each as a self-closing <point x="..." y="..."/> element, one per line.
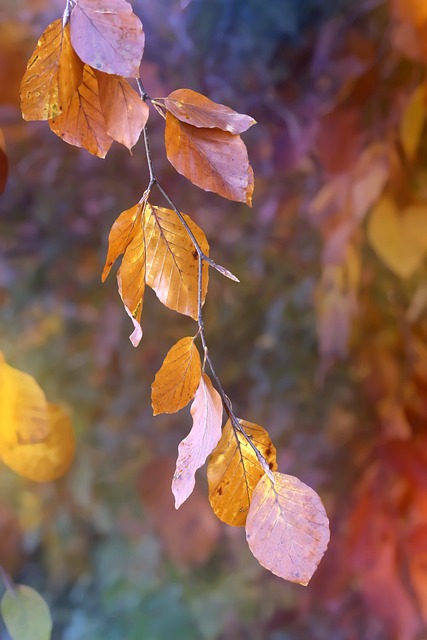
<point x="177" y="380"/>
<point x="412" y="123"/>
<point x="205" y="433"/>
<point x="108" y="36"/>
<point x="53" y="75"/>
<point x="124" y="112"/>
<point x="212" y="159"/>
<point x="172" y="261"/>
<point x="234" y="471"/>
<point x="82" y="123"/>
<point x="287" y="528"/>
<point x="196" y="109"/>
<point x="46" y="460"/>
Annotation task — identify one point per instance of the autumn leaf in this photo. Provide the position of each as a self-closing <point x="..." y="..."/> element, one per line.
<point x="287" y="528"/>
<point x="108" y="36"/>
<point x="132" y="270"/>
<point x="122" y="233"/>
<point x="412" y="124"/>
<point x="53" y="75"/>
<point x="25" y="614"/>
<point x="124" y="112"/>
<point x="23" y="408"/>
<point x="205" y="433"/>
<point x="399" y="238"/>
<point x="177" y="380"/>
<point x="212" y="159"/>
<point x="4" y="163"/>
<point x="82" y="123"/>
<point x="172" y="261"/>
<point x="234" y="471"/>
<point x="48" y="459"/>
<point x="196" y="109"/>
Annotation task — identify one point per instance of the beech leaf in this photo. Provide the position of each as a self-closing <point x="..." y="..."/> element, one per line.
<point x="212" y="159"/>
<point x="287" y="528"/>
<point x="196" y="109"/>
<point x="178" y="378"/>
<point x="53" y="74"/>
<point x="108" y="36"/>
<point x="205" y="433"/>
<point x="234" y="471"/>
<point x="124" y="112"/>
<point x="121" y="234"/>
<point x="25" y="614"/>
<point x="82" y="123"/>
<point x="172" y="261"/>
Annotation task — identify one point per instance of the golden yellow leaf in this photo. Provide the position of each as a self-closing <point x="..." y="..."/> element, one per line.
<point x="172" y="261"/>
<point x="121" y="234"/>
<point x="287" y="527"/>
<point x="399" y="238"/>
<point x="23" y="408"/>
<point x="177" y="380"/>
<point x="82" y="123"/>
<point x="234" y="471"/>
<point x="132" y="271"/>
<point x="46" y="460"/>
<point x="413" y="120"/>
<point x="53" y="74"/>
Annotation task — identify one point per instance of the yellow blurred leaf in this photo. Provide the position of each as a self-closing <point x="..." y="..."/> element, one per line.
<point x="47" y="460"/>
<point x="172" y="261"/>
<point x="234" y="471"/>
<point x="412" y="123"/>
<point x="26" y="614"/>
<point x="23" y="408"/>
<point x="287" y="528"/>
<point x="53" y="74"/>
<point x="177" y="380"/>
<point x="399" y="238"/>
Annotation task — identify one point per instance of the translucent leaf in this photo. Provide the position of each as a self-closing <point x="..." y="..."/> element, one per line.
<point x="212" y="159"/>
<point x="124" y="112"/>
<point x="172" y="261"/>
<point x="48" y="459"/>
<point x="412" y="123"/>
<point x="23" y="408"/>
<point x="52" y="76"/>
<point x="234" y="471"/>
<point x="121" y="234"/>
<point x="108" y="36"/>
<point x="287" y="528"/>
<point x="200" y="442"/>
<point x="26" y="615"/>
<point x="82" y="122"/>
<point x="399" y="238"/>
<point x="196" y="109"/>
<point x="177" y="380"/>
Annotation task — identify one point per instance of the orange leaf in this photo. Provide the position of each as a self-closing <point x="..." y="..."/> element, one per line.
<point x="287" y="527"/>
<point x="124" y="112"/>
<point x="172" y="262"/>
<point x="108" y="36"/>
<point x="121" y="234"/>
<point x="205" y="433"/>
<point x="52" y="76"/>
<point x="212" y="159"/>
<point x="82" y="123"/>
<point x="413" y="120"/>
<point x="46" y="460"/>
<point x="234" y="471"/>
<point x="177" y="380"/>
<point x="195" y="109"/>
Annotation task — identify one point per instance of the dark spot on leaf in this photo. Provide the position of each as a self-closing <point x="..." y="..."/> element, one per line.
<point x="268" y="451"/>
<point x="219" y="491"/>
<point x="195" y="254"/>
<point x="271" y="465"/>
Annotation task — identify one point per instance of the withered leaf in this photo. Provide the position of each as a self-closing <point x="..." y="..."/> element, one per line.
<point x="205" y="433"/>
<point x="124" y="112"/>
<point x="177" y="380"/>
<point x="212" y="159"/>
<point x="172" y="263"/>
<point x="53" y="74"/>
<point x="121" y="234"/>
<point x="108" y="36"/>
<point x="82" y="123"/>
<point x="196" y="109"/>
<point x="234" y="471"/>
<point x="287" y="528"/>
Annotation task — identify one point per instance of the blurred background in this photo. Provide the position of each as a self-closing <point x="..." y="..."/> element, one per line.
<point x="324" y="341"/>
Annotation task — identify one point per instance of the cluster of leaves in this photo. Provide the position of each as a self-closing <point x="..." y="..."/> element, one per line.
<point x="76" y="79"/>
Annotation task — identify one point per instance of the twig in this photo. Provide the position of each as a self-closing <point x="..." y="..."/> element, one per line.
<point x="202" y="257"/>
